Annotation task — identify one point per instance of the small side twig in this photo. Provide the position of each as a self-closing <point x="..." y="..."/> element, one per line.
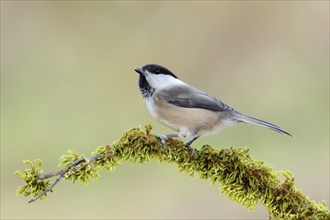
<point x="60" y="174"/>
<point x="49" y="175"/>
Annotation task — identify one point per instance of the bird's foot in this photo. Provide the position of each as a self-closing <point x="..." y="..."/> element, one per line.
<point x="163" y="138"/>
<point x="191" y="149"/>
<point x="187" y="144"/>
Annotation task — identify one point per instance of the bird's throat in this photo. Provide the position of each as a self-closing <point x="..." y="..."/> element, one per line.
<point x="145" y="88"/>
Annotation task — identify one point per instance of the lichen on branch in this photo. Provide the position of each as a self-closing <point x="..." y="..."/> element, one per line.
<point x="243" y="179"/>
<point x="34" y="186"/>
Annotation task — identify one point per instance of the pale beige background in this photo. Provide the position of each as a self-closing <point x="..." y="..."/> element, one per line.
<point x="67" y="82"/>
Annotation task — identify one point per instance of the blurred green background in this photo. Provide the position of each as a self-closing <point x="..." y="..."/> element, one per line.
<point x="67" y="82"/>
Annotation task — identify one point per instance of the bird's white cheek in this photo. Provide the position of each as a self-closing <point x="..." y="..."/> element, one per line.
<point x="161" y="81"/>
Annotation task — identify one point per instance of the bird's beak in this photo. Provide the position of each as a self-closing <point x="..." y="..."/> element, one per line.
<point x="138" y="70"/>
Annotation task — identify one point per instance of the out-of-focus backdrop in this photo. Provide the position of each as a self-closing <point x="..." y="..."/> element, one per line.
<point x="67" y="82"/>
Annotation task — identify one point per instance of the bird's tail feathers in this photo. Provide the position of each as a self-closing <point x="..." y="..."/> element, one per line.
<point x="251" y="120"/>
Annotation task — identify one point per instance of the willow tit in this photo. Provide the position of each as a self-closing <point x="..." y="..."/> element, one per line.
<point x="185" y="109"/>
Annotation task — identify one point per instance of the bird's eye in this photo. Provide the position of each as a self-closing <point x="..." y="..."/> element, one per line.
<point x="157" y="71"/>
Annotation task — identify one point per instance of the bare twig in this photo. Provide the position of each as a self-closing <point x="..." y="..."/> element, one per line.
<point x="49" y="175"/>
<point x="61" y="173"/>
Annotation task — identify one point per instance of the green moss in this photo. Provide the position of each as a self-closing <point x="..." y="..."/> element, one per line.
<point x="83" y="172"/>
<point x="243" y="179"/>
<point x="33" y="185"/>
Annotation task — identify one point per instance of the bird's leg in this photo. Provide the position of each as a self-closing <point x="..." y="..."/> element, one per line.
<point x="163" y="138"/>
<point x="188" y="143"/>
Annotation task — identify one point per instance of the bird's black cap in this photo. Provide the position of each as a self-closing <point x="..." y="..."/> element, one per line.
<point x="157" y="69"/>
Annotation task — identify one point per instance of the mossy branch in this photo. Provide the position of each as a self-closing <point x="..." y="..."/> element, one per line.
<point x="242" y="178"/>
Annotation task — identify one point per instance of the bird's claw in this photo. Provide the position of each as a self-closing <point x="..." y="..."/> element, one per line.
<point x="162" y="138"/>
<point x="191" y="149"/>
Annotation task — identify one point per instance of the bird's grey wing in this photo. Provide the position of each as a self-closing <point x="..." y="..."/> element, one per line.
<point x="189" y="97"/>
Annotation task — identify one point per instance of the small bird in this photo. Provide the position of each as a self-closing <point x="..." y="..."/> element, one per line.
<point x="185" y="109"/>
